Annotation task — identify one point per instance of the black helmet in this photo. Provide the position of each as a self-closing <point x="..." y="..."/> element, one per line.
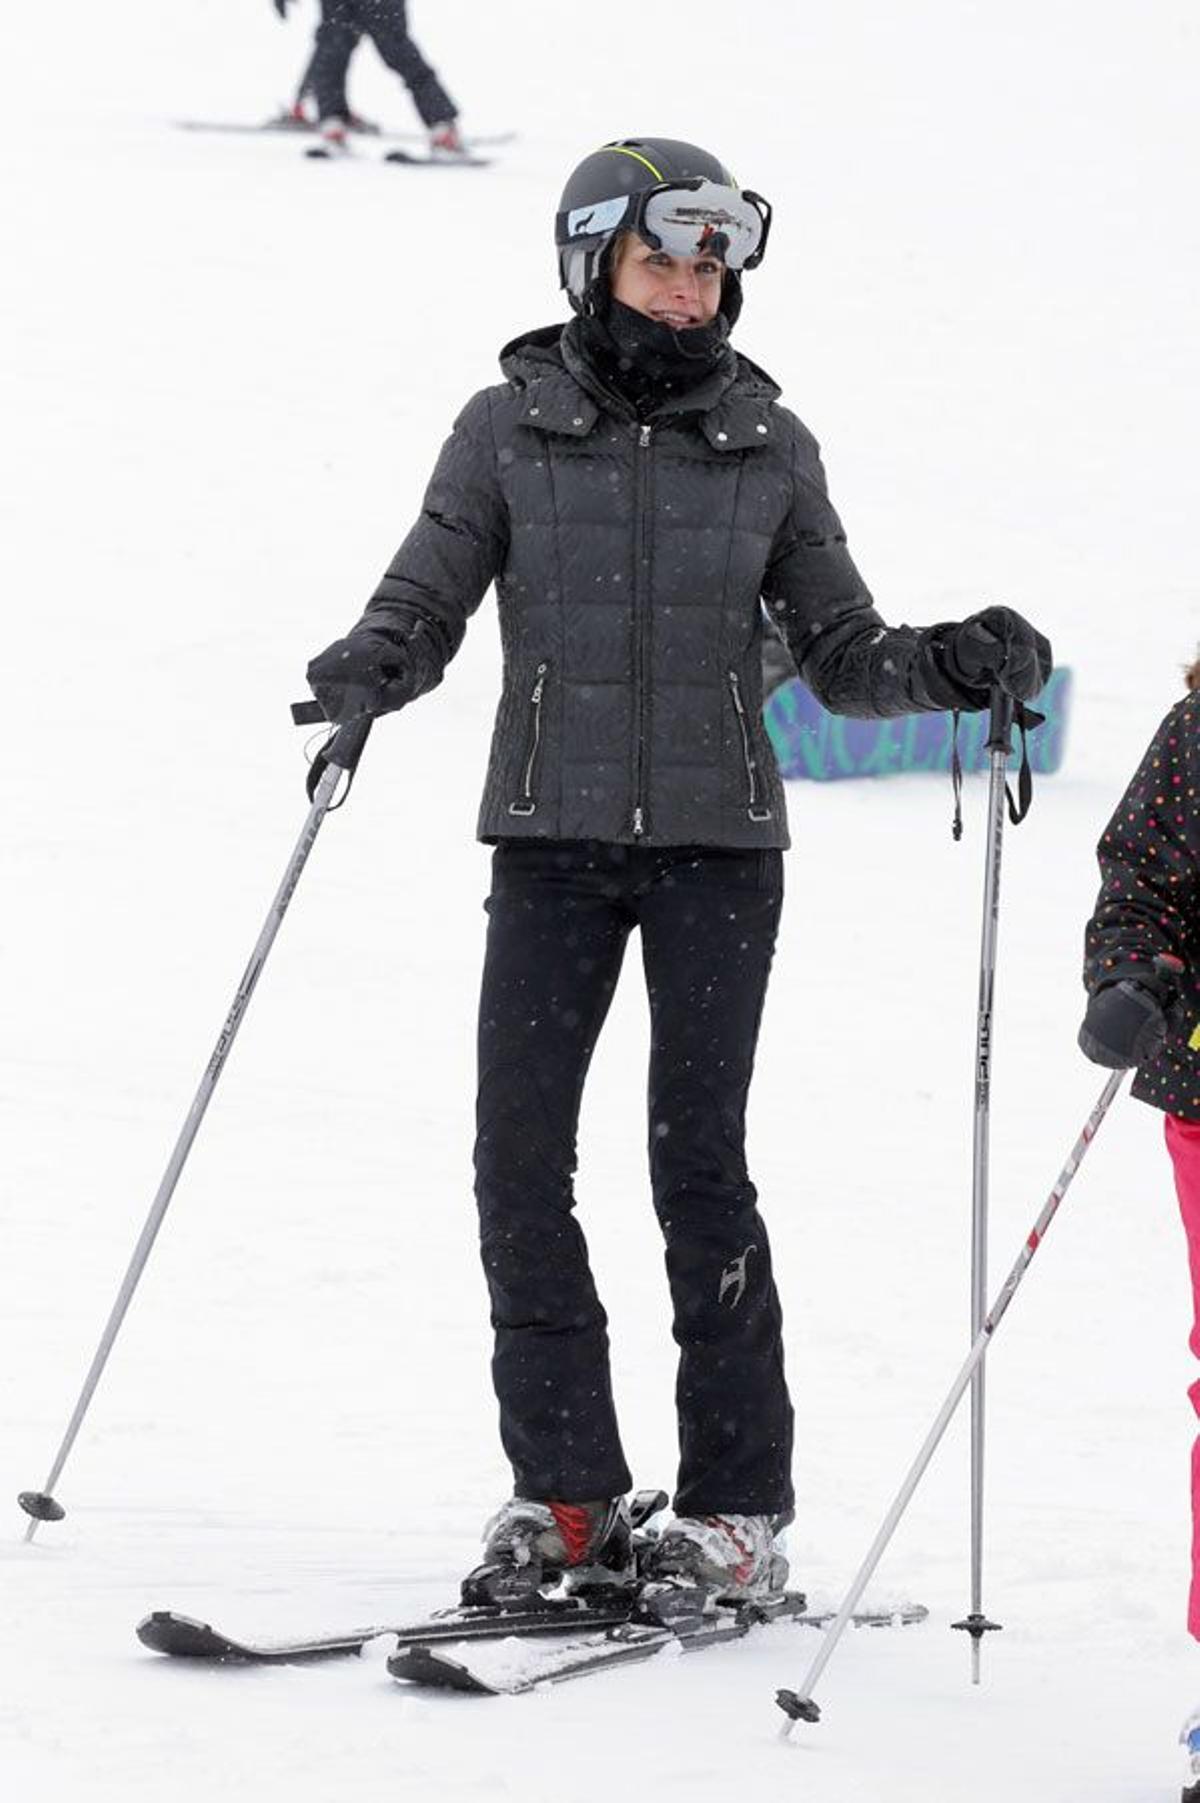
<point x="672" y="194"/>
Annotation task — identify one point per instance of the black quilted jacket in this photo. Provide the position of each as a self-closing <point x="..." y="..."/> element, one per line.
<point x="630" y="562"/>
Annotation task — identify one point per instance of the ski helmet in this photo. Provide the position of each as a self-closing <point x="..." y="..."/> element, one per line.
<point x="676" y="196"/>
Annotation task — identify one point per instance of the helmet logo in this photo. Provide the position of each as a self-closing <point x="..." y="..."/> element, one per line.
<point x="604" y="216"/>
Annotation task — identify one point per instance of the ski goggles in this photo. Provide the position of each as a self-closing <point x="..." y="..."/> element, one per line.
<point x="694" y="218"/>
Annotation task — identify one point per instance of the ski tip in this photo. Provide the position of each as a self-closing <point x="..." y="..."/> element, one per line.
<point x="421" y="1665"/>
<point x="163" y="1631"/>
<point x="41" y="1506"/>
<point x="796" y="1707"/>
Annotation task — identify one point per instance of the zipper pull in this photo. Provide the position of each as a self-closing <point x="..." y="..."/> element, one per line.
<point x="540" y="684"/>
<point x="639" y="825"/>
<point x="643" y="436"/>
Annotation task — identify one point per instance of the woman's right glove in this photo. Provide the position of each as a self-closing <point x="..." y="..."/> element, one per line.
<point x="364" y="673"/>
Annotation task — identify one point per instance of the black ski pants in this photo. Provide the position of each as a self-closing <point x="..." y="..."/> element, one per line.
<point x="343" y="23"/>
<point x="559" y="915"/>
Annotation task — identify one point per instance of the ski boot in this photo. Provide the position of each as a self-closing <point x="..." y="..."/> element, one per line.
<point x="701" y="1562"/>
<point x="530" y="1548"/>
<point x="446" y="143"/>
<point x="1189" y="1739"/>
<point x="301" y="116"/>
<point x="333" y="138"/>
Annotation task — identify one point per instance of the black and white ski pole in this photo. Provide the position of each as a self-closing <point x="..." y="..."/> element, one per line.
<point x="798" y="1705"/>
<point x="999" y="745"/>
<point x="336" y="760"/>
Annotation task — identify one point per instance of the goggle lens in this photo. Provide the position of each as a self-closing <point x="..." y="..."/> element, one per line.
<point x="704" y="219"/>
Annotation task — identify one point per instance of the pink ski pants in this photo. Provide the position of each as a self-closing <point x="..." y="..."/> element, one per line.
<point x="1183" y="1143"/>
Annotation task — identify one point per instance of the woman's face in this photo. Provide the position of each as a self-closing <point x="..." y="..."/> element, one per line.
<point x="677" y="291"/>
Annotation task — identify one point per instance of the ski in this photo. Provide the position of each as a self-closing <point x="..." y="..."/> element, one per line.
<point x="321" y="154"/>
<point x="183" y="1637"/>
<point x="511" y="1673"/>
<point x="286" y="126"/>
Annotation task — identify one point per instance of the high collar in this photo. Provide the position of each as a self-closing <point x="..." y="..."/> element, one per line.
<point x="594" y="366"/>
<point x="560" y="396"/>
<point x="650" y="366"/>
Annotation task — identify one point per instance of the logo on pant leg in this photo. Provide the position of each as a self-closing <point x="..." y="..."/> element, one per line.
<point x="733" y="1277"/>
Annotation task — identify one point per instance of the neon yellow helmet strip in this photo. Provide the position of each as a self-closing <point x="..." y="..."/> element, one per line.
<point x="620" y="150"/>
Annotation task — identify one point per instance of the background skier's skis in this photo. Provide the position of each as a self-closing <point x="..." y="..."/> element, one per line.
<point x="292" y="128"/>
<point x="407" y="159"/>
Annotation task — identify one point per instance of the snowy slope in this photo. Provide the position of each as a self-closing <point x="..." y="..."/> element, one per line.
<point x="227" y="373"/>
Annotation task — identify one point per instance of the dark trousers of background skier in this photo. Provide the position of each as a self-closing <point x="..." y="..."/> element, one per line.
<point x="559" y="917"/>
<point x="343" y="23"/>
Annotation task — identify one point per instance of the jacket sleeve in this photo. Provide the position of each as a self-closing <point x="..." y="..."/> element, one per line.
<point x="853" y="663"/>
<point x="458" y="545"/>
<point x="1148" y="856"/>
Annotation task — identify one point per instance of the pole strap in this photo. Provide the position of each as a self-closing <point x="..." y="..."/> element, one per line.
<point x="1026" y="719"/>
<point x="1004" y="716"/>
<point x="956" y="777"/>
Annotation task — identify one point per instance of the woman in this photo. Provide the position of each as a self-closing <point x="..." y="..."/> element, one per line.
<point x="636" y="493"/>
<point x="1142" y="972"/>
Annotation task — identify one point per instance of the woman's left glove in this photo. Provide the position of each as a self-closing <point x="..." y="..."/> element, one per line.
<point x="998" y="649"/>
<point x="364" y="673"/>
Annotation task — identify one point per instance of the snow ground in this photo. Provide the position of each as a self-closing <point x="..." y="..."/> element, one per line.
<point x="227" y="373"/>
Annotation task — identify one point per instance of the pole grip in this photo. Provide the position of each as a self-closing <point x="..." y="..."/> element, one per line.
<point x="348" y="743"/>
<point x="346" y="746"/>
<point x="1002" y="710"/>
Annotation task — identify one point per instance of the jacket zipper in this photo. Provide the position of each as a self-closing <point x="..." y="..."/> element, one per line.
<point x="754" y="810"/>
<point x="640" y="629"/>
<point x="525" y="804"/>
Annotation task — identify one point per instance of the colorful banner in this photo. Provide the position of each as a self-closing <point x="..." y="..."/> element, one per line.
<point x="809" y="742"/>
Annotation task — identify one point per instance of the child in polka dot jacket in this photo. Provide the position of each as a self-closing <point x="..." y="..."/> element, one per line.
<point x="1144" y="1017"/>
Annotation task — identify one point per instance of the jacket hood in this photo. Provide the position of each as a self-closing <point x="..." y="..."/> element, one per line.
<point x="531" y="353"/>
<point x="534" y="355"/>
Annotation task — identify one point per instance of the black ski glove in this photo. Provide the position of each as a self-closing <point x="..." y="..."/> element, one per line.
<point x="1126" y="1022"/>
<point x="364" y="673"/>
<point x="998" y="649"/>
<point x="281" y="7"/>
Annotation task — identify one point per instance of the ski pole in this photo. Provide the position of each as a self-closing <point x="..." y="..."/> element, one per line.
<point x="337" y="759"/>
<point x="798" y="1705"/>
<point x="999" y="745"/>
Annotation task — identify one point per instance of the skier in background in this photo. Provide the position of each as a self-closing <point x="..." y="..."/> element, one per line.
<point x="634" y="489"/>
<point x="321" y="97"/>
<point x="1146" y="1017"/>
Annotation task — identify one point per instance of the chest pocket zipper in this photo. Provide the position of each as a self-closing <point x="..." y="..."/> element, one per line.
<point x="525" y="803"/>
<point x="756" y="810"/>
